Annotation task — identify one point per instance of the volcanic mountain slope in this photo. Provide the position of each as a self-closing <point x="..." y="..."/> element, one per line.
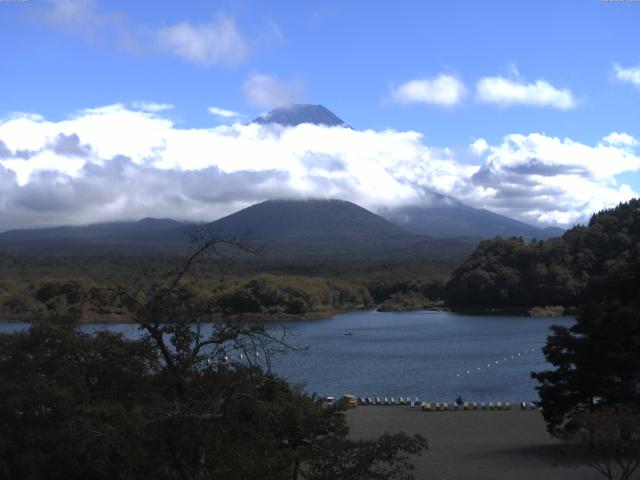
<point x="298" y="114"/>
<point x="329" y="229"/>
<point x="283" y="229"/>
<point x="120" y="236"/>
<point x="447" y="218"/>
<point x="278" y="219"/>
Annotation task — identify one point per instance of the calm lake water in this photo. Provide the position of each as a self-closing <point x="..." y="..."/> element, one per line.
<point x="435" y="356"/>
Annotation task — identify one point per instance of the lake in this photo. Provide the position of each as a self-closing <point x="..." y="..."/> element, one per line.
<point x="435" y="356"/>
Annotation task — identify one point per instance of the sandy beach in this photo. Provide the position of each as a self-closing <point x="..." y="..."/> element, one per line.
<point x="477" y="445"/>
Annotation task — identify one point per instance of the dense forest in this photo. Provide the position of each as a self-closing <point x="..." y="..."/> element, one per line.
<point x="250" y="288"/>
<point x="566" y="271"/>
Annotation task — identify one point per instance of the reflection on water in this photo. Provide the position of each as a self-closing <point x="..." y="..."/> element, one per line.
<point x="432" y="355"/>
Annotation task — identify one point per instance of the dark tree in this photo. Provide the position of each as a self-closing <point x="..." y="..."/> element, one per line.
<point x="74" y="405"/>
<point x="592" y="397"/>
<point x="597" y="363"/>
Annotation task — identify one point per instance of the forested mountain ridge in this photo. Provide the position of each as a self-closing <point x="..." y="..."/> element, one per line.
<point x="601" y="259"/>
<point x="146" y="233"/>
<point x="448" y="218"/>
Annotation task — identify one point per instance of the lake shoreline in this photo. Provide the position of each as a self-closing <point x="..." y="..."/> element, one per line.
<point x="247" y="317"/>
<point x="243" y="317"/>
<point x="318" y="315"/>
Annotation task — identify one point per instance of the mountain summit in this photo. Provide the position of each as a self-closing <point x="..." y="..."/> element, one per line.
<point x="297" y="114"/>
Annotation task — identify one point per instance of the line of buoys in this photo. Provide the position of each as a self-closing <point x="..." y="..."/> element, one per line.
<point x="496" y="362"/>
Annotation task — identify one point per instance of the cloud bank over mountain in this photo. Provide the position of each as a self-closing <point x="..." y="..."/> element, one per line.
<point x="118" y="162"/>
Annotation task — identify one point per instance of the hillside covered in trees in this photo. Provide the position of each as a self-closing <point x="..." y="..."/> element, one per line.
<point x="567" y="271"/>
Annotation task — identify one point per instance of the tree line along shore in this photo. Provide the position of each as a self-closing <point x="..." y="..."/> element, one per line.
<point x="257" y="289"/>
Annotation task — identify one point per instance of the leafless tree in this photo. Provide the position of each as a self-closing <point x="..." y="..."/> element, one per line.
<point x="174" y="320"/>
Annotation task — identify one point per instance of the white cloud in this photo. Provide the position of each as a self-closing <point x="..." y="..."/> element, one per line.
<point x="444" y="90"/>
<point x="479" y="146"/>
<point x="552" y="180"/>
<point x="628" y="75"/>
<point x="73" y="13"/>
<point x="113" y="163"/>
<point x="507" y="92"/>
<point x="83" y="17"/>
<point x="267" y="91"/>
<point x="216" y="42"/>
<point x="221" y="112"/>
<point x="152" y="106"/>
<point x="620" y="139"/>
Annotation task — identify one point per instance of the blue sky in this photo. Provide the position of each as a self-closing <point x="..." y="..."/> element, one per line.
<point x="356" y="58"/>
<point x="346" y="55"/>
